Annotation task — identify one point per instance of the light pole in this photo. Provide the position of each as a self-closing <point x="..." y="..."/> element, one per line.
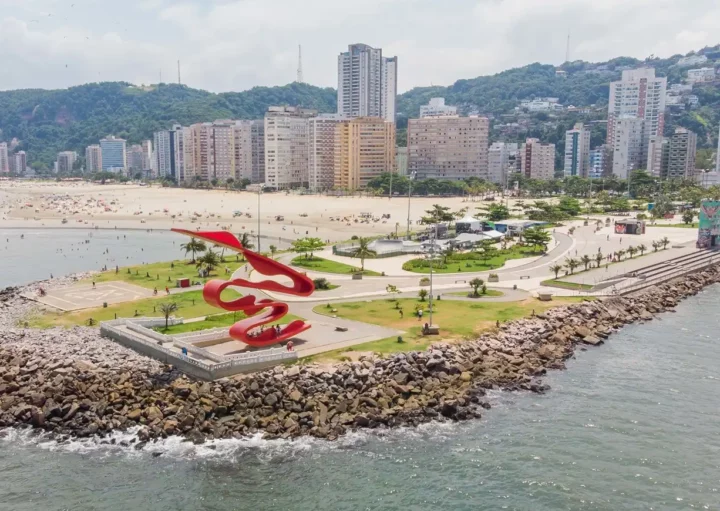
<point x="432" y="255"/>
<point x="410" y="180"/>
<point x="390" y="196"/>
<point x="258" y="213"/>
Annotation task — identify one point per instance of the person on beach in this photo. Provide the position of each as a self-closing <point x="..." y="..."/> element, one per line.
<point x="289" y="346"/>
<point x="93" y="284"/>
<point x="155" y="291"/>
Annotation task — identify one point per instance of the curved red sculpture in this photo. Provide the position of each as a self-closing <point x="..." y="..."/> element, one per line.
<point x="250" y="305"/>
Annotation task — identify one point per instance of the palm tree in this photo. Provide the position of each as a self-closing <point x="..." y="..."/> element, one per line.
<point x="273" y="249"/>
<point x="620" y="254"/>
<point x="193" y="246"/>
<point x="664" y="242"/>
<point x="209" y="261"/>
<point x="363" y="251"/>
<point x="556" y="268"/>
<point x="167" y="309"/>
<point x="642" y="248"/>
<point x="631" y="251"/>
<point x="476" y="284"/>
<point x="222" y="252"/>
<point x="586" y="261"/>
<point x="448" y="252"/>
<point x="245" y="241"/>
<point x="655" y="246"/>
<point x="598" y="259"/>
<point x="571" y="264"/>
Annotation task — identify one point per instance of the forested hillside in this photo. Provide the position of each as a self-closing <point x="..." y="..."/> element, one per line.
<point x="50" y="121"/>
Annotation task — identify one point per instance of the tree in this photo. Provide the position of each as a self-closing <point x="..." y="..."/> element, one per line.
<point x="569" y="206"/>
<point x="307" y="245"/>
<point x="571" y="264"/>
<point x="363" y="251"/>
<point x="476" y="284"/>
<point x="688" y="216"/>
<point x="447" y="252"/>
<point x="437" y="215"/>
<point x="664" y="242"/>
<point x="556" y="268"/>
<point x="586" y="260"/>
<point x="209" y="260"/>
<point x="214" y="182"/>
<point x="598" y="259"/>
<point x="537" y="237"/>
<point x="422" y="294"/>
<point x="488" y="250"/>
<point x="632" y="251"/>
<point x="642" y="248"/>
<point x="620" y="254"/>
<point x="167" y="310"/>
<point x="246" y="242"/>
<point x="656" y="245"/>
<point x="229" y="182"/>
<point x="193" y="246"/>
<point x="273" y="249"/>
<point x="496" y="212"/>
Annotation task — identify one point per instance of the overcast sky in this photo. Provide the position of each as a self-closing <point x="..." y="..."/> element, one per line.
<point x="232" y="45"/>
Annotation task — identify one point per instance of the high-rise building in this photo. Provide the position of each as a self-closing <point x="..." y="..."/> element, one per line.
<point x="185" y="154"/>
<point x="135" y="159"/>
<point x="167" y="148"/>
<point x="436" y="107"/>
<point x="321" y="155"/>
<point x="213" y="150"/>
<point x="537" y="160"/>
<point x="114" y="154"/>
<point x="657" y="155"/>
<point x="148" y="159"/>
<point x="600" y="162"/>
<point x="4" y="160"/>
<point x="367" y="83"/>
<point x="401" y="161"/>
<point x="717" y="156"/>
<point x="503" y="161"/>
<point x="577" y="151"/>
<point x="257" y="133"/>
<point x="682" y="154"/>
<point x="66" y="161"/>
<point x="286" y="146"/>
<point x="627" y="145"/>
<point x="364" y="150"/>
<point x="242" y="131"/>
<point x="638" y="94"/>
<point x="448" y="147"/>
<point x="93" y="158"/>
<point x="18" y="162"/>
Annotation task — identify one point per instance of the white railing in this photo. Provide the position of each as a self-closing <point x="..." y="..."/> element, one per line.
<point x="203" y="335"/>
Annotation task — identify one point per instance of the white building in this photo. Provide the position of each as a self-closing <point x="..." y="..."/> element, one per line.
<point x="4" y="160"/>
<point x="367" y="83"/>
<point x="502" y="161"/>
<point x="258" y="151"/>
<point x="577" y="151"/>
<point x="627" y="146"/>
<point x="704" y="74"/>
<point x="114" y="154"/>
<point x="537" y="160"/>
<point x="93" y="159"/>
<point x="18" y="162"/>
<point x="168" y="152"/>
<point x="642" y="95"/>
<point x="436" y="108"/>
<point x="656" y="150"/>
<point x="599" y="161"/>
<point x="66" y="161"/>
<point x="321" y="154"/>
<point x="692" y="60"/>
<point x="286" y="147"/>
<point x="541" y="104"/>
<point x="148" y="160"/>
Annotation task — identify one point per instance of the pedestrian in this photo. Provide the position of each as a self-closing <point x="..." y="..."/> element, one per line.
<point x="401" y="313"/>
<point x="420" y="313"/>
<point x="154" y="291"/>
<point x="167" y="290"/>
<point x="289" y="346"/>
<point x="608" y="237"/>
<point x="93" y="284"/>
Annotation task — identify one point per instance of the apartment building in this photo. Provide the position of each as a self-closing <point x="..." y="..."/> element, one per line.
<point x="436" y="107"/>
<point x="503" y="160"/>
<point x="243" y="147"/>
<point x="148" y="159"/>
<point x="4" y="159"/>
<point x="364" y="149"/>
<point x="448" y="147"/>
<point x="577" y="151"/>
<point x="287" y="146"/>
<point x="114" y="154"/>
<point x="629" y="149"/>
<point x="600" y="162"/>
<point x="322" y="132"/>
<point x="537" y="160"/>
<point x="66" y="161"/>
<point x="367" y="83"/>
<point x="93" y="158"/>
<point x="682" y="155"/>
<point x="18" y="162"/>
<point x="257" y="133"/>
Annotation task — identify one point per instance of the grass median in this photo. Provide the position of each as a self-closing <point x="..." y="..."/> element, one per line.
<point x="216" y="321"/>
<point x="327" y="266"/>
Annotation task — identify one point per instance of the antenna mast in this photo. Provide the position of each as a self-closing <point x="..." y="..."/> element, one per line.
<point x="567" y="49"/>
<point x="179" y="82"/>
<point x="300" y="70"/>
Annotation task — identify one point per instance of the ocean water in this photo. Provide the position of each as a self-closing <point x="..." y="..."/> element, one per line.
<point x="631" y="425"/>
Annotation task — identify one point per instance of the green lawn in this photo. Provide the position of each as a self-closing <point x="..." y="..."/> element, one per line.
<point x="470" y="261"/>
<point x="679" y="226"/>
<point x="190" y="305"/>
<point x="489" y="292"/>
<point x="159" y="273"/>
<point x="215" y="322"/>
<point x="325" y="265"/>
<point x="329" y="288"/>
<point x="566" y="285"/>
<point x="457" y="319"/>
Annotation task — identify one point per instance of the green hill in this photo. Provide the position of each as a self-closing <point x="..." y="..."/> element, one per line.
<point x="48" y="121"/>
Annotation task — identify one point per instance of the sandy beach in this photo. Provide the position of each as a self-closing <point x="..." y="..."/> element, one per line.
<point x="74" y="205"/>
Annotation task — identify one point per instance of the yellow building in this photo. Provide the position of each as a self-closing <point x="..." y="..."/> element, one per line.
<point x="364" y="149"/>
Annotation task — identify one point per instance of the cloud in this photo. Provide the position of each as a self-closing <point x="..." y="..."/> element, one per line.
<point x="237" y="44"/>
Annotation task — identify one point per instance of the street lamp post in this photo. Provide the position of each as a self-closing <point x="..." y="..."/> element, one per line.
<point x="258" y="214"/>
<point x="410" y="180"/>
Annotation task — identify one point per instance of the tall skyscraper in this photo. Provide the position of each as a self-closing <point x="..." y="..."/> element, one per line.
<point x="364" y="150"/>
<point x="577" y="151"/>
<point x="166" y="151"/>
<point x="682" y="155"/>
<point x="135" y="159"/>
<point x="114" y="154"/>
<point x="286" y="146"/>
<point x="657" y="155"/>
<point x="449" y="147"/>
<point x="537" y="160"/>
<point x="213" y="150"/>
<point x="321" y="155"/>
<point x="4" y="160"/>
<point x="257" y="134"/>
<point x="65" y="161"/>
<point x="242" y="132"/>
<point x="93" y="158"/>
<point x="148" y="160"/>
<point x="367" y="83"/>
<point x="638" y="94"/>
<point x="503" y="160"/>
<point x="627" y="146"/>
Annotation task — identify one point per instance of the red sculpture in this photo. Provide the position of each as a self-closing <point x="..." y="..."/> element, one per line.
<point x="302" y="286"/>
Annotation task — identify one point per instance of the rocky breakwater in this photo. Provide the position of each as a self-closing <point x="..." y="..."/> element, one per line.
<point x="76" y="396"/>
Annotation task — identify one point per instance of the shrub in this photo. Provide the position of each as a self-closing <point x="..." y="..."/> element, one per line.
<point x="641" y="216"/>
<point x="321" y="283"/>
<point x="422" y="294"/>
<point x="354" y="237"/>
<point x="425" y="281"/>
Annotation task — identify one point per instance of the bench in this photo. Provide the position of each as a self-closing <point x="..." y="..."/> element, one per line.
<point x="524" y="277"/>
<point x="341" y="329"/>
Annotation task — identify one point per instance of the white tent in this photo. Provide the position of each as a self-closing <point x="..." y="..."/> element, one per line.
<point x="468" y="224"/>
